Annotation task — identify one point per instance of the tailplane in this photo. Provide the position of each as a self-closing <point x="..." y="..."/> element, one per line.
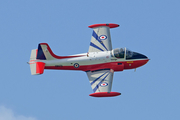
<point x="36" y="67"/>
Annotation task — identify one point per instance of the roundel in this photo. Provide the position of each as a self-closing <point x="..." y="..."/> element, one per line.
<point x="103" y="84"/>
<point x="76" y="65"/>
<point x="102" y="37"/>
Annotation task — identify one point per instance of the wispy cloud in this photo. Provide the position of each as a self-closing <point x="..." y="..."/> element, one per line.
<point x="8" y="114"/>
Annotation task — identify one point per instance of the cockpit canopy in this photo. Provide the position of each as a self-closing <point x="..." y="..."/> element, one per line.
<point x="127" y="54"/>
<point x="120" y="53"/>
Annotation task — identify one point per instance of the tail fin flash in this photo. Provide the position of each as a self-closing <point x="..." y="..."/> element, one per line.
<point x="36" y="67"/>
<point x="40" y="53"/>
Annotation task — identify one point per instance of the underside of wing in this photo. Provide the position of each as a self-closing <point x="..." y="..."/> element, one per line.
<point x="101" y="83"/>
<point x="101" y="38"/>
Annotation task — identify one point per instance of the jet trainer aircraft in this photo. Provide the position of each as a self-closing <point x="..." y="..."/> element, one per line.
<point x="99" y="63"/>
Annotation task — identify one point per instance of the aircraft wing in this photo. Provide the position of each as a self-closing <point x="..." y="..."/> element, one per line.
<point x="101" y="38"/>
<point x="101" y="83"/>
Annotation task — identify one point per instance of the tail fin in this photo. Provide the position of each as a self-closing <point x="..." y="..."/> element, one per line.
<point x="45" y="52"/>
<point x="36" y="67"/>
<point x="41" y="54"/>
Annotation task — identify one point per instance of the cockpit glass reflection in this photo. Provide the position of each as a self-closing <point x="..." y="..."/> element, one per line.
<point x="119" y="53"/>
<point x="129" y="54"/>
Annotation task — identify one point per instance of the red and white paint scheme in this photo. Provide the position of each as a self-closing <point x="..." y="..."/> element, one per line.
<point x="100" y="62"/>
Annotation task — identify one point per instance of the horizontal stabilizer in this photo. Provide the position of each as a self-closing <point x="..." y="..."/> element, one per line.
<point x="33" y="55"/>
<point x="37" y="68"/>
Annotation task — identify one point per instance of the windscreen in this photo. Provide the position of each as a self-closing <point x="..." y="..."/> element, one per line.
<point x="129" y="54"/>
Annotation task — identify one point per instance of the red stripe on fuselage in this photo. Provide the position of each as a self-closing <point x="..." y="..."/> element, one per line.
<point x="112" y="65"/>
<point x="134" y="64"/>
<point x="58" y="57"/>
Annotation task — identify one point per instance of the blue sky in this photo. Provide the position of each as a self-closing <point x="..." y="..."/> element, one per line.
<point x="150" y="27"/>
